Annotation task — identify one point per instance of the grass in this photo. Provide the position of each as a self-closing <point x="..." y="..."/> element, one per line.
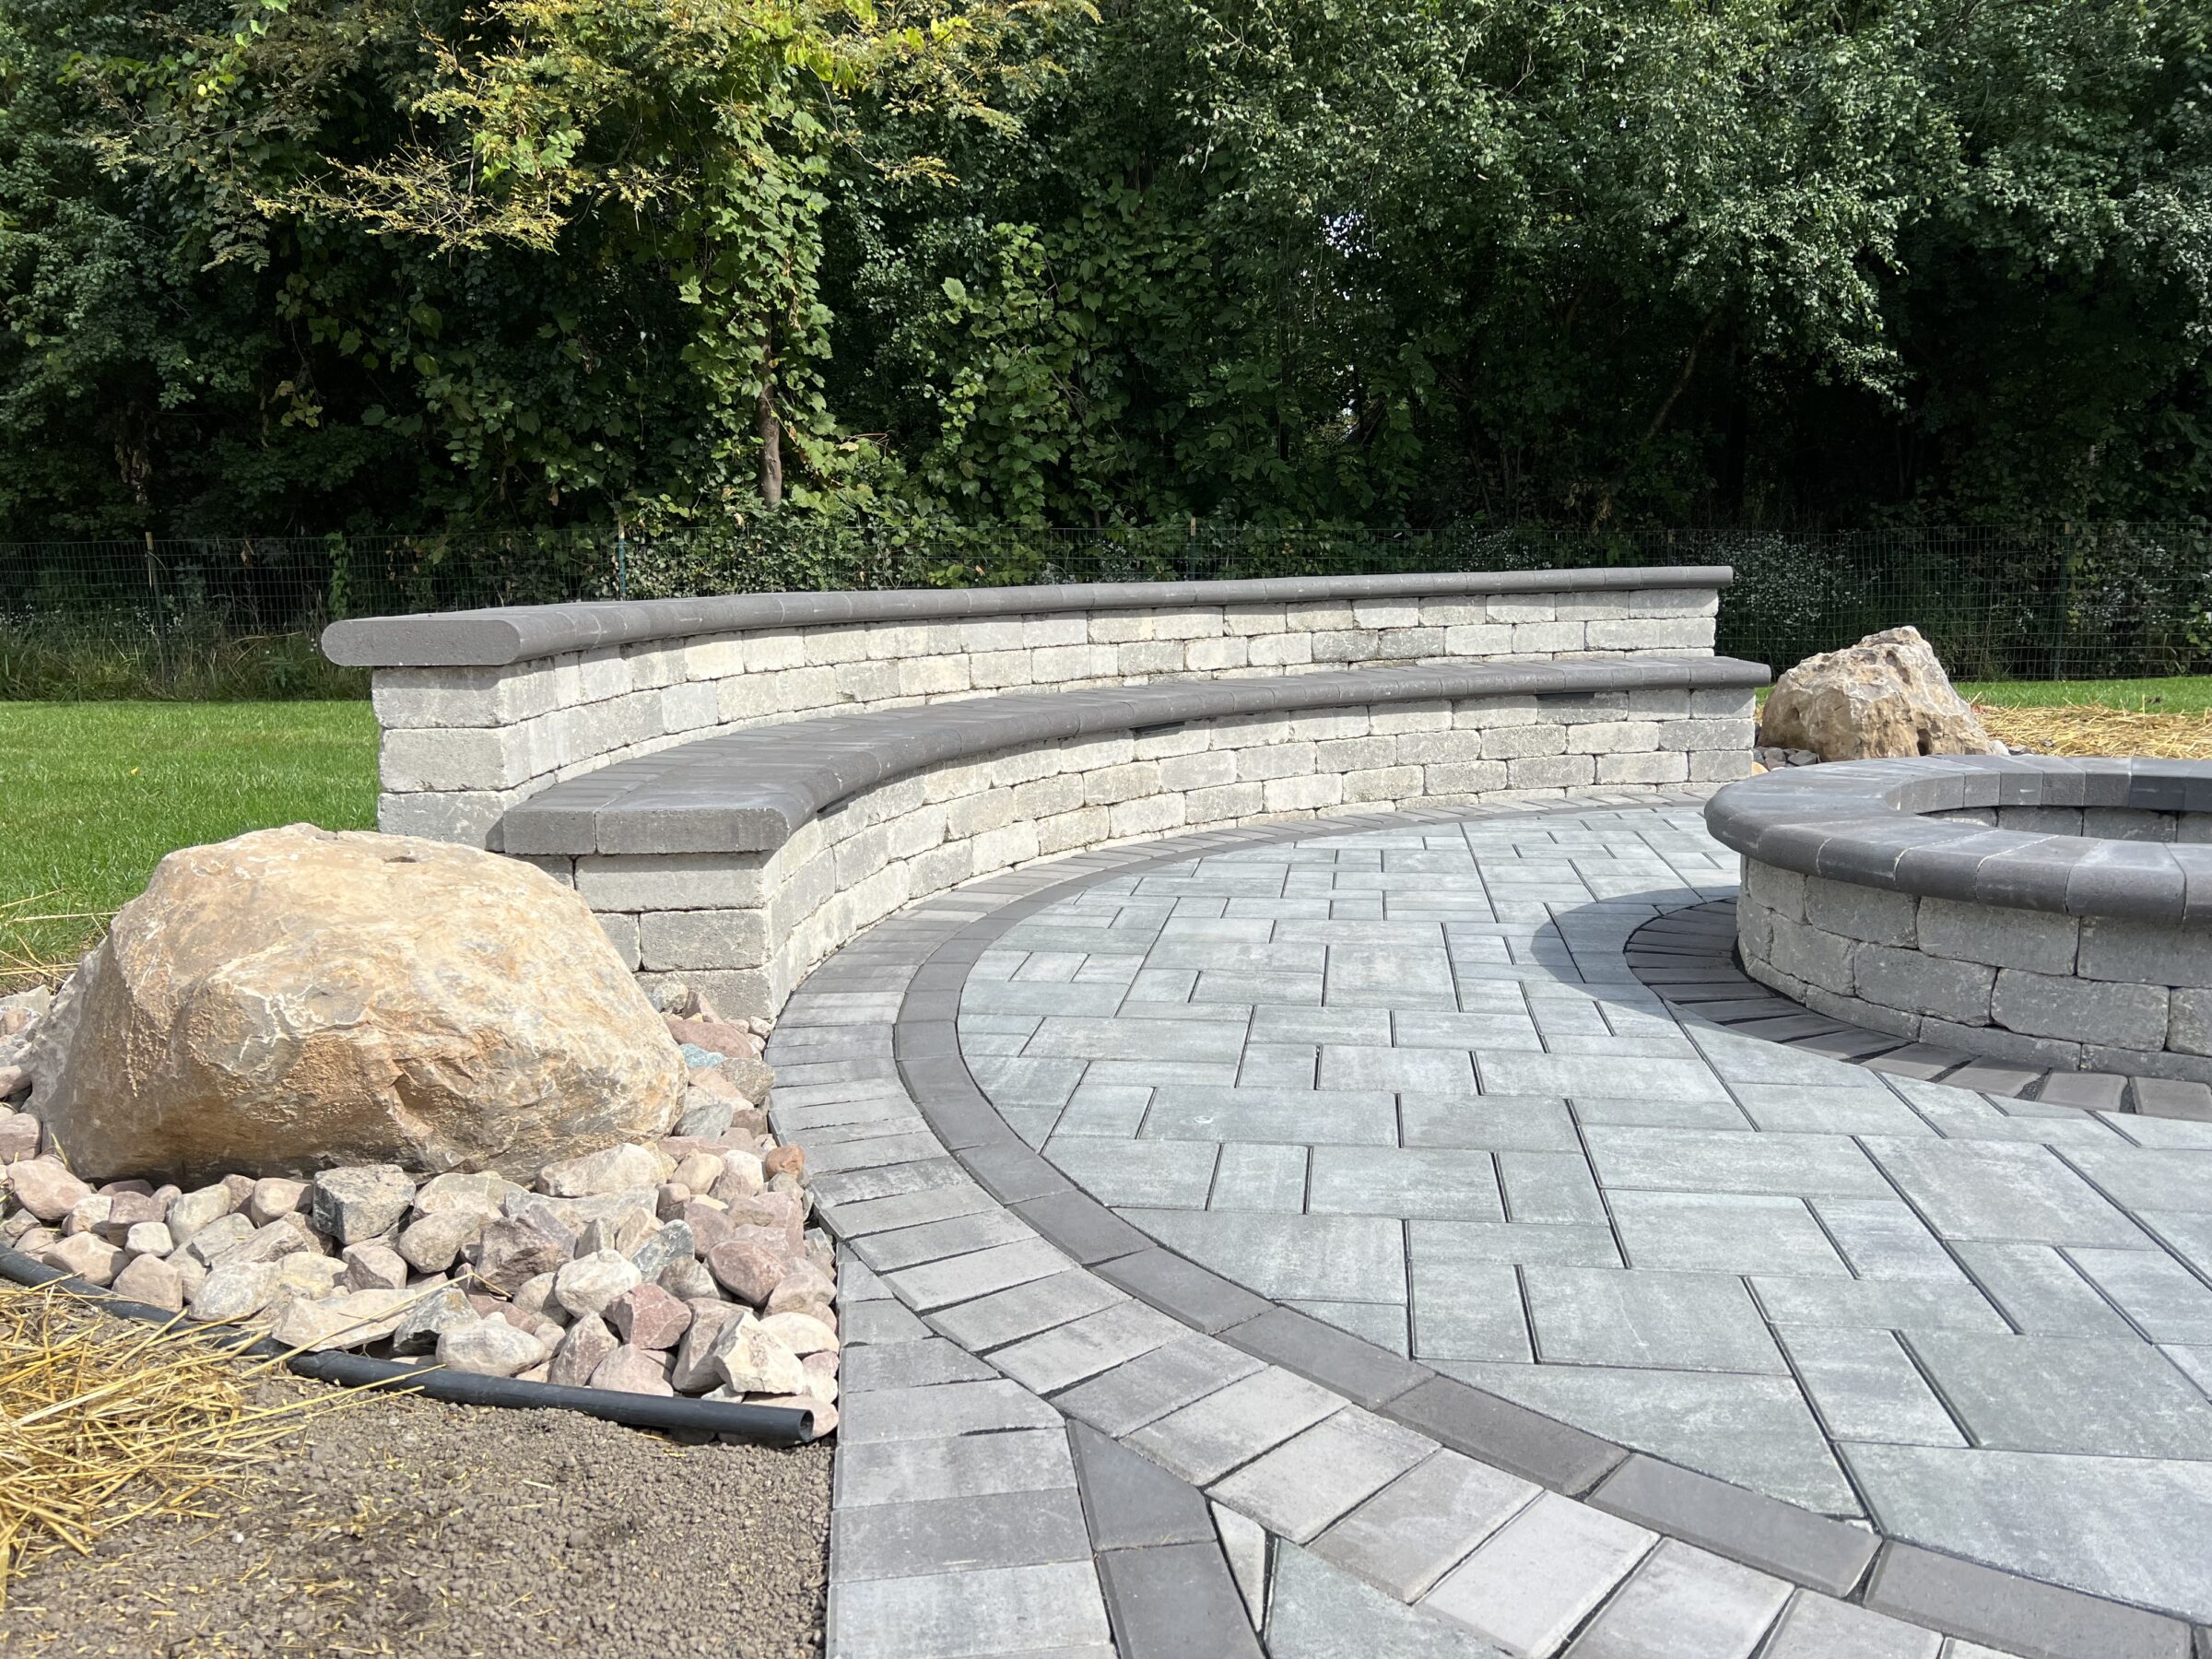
<point x="2180" y="695"/>
<point x="93" y="793"/>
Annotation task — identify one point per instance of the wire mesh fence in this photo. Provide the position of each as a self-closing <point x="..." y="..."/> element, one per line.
<point x="238" y="616"/>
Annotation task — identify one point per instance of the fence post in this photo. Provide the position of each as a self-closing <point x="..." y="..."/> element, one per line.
<point x="621" y="559"/>
<point x="153" y="590"/>
<point x="2065" y="601"/>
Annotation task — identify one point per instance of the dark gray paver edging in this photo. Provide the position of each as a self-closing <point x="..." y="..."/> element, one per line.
<point x="1862" y="822"/>
<point x="1687" y="958"/>
<point x="1961" y="1597"/>
<point x="751" y="789"/>
<point x="509" y="634"/>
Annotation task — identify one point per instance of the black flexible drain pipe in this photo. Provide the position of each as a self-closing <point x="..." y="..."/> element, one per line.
<point x="768" y="1425"/>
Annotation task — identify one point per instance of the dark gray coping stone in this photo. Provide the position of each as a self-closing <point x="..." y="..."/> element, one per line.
<point x="1783" y="1539"/>
<point x="1175" y="1601"/>
<point x="1082" y="1227"/>
<point x="2018" y="1615"/>
<point x="1496" y="1430"/>
<point x="1201" y="1299"/>
<point x="495" y="638"/>
<point x="1859" y="821"/>
<point x="1358" y="1370"/>
<point x="1130" y="1501"/>
<point x="1164" y="1595"/>
<point x="750" y="790"/>
<point x="1685" y="970"/>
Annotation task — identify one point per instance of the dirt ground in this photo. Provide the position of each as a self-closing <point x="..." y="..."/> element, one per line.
<point x="404" y="1526"/>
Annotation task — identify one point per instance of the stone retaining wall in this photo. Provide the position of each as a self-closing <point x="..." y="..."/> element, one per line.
<point x="747" y="926"/>
<point x="481" y="709"/>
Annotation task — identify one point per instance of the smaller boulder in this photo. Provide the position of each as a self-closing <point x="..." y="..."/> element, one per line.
<point x="86" y="1255"/>
<point x="582" y="1349"/>
<point x="611" y="1171"/>
<point x="646" y="1316"/>
<point x="512" y="1251"/>
<point x="481" y="1195"/>
<point x="668" y="1244"/>
<point x="146" y="1238"/>
<point x="752" y="1361"/>
<point x="276" y="1197"/>
<point x="695" y="1370"/>
<point x="750" y="1266"/>
<point x="191" y="1211"/>
<point x="490" y="1347"/>
<point x="45" y="1187"/>
<point x="363" y="1201"/>
<point x="373" y="1266"/>
<point x="153" y="1281"/>
<point x="633" y="1371"/>
<point x="434" y="1242"/>
<point x="801" y="1332"/>
<point x="220" y="1237"/>
<point x="589" y="1283"/>
<point x="689" y="1282"/>
<point x="430" y="1316"/>
<point x="230" y="1294"/>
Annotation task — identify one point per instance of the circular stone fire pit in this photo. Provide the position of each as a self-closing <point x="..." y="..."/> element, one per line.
<point x="2053" y="912"/>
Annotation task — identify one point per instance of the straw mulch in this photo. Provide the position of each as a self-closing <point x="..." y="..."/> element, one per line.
<point x="2091" y="729"/>
<point x="104" y="1420"/>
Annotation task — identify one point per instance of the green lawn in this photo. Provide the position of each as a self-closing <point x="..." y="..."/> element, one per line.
<point x="93" y="793"/>
<point x="2180" y="695"/>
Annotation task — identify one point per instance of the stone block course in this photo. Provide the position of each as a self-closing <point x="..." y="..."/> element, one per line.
<point x="1996" y="930"/>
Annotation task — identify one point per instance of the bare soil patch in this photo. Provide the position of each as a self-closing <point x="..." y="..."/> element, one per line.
<point x="404" y="1526"/>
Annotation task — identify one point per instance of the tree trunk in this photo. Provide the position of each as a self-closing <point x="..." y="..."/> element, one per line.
<point x="771" y="447"/>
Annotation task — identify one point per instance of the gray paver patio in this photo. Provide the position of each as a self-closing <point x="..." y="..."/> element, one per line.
<point x="1402" y="1079"/>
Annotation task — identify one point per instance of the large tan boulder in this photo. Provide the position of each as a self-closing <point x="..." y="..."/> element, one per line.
<point x="296" y="998"/>
<point x="1886" y="696"/>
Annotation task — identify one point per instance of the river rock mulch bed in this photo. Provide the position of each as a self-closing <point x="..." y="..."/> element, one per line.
<point x="679" y="1265"/>
<point x="399" y="1525"/>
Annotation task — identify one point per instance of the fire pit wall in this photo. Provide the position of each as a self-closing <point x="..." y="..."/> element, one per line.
<point x="2055" y="913"/>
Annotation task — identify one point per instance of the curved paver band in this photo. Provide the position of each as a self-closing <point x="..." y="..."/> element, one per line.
<point x="990" y="1245"/>
<point x="515" y="633"/>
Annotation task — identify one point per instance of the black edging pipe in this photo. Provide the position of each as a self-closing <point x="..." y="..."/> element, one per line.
<point x="766" y="1425"/>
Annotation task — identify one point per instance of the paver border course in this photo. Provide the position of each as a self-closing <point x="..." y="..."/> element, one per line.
<point x="908" y="974"/>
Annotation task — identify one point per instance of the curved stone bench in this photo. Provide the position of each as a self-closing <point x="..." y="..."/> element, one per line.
<point x="483" y="708"/>
<point x="738" y="860"/>
<point x="2048" y="913"/>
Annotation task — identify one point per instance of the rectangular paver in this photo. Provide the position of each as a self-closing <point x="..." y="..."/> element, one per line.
<point x="1865" y="1387"/>
<point x="1684" y="1603"/>
<point x="965" y="1465"/>
<point x="945" y="1615"/>
<point x="1067" y="1353"/>
<point x="1205" y="1440"/>
<point x="1540" y="1574"/>
<point x="905" y="1538"/>
<point x="1137" y="1392"/>
<point x="1676" y="1320"/>
<point x="1422" y="1525"/>
<point x="1311" y="1479"/>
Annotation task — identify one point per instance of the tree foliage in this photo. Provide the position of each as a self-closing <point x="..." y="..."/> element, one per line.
<point x="321" y="264"/>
